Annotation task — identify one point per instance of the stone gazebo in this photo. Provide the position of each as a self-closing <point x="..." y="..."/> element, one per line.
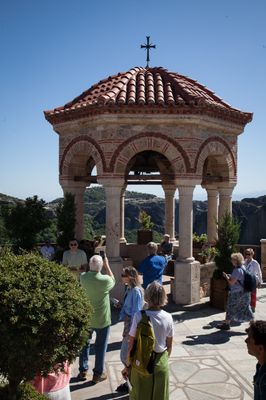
<point x="149" y="125"/>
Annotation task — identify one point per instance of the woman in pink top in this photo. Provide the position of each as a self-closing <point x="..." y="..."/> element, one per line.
<point x="55" y="386"/>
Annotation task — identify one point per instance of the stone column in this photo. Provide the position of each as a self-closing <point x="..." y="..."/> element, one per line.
<point x="169" y="193"/>
<point x="77" y="189"/>
<point x="212" y="217"/>
<point x="185" y="223"/>
<point x="113" y="189"/>
<point x="186" y="288"/>
<point x="225" y="200"/>
<point x="122" y="216"/>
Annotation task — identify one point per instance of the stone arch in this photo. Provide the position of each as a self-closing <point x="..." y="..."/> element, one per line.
<point x="156" y="142"/>
<point x="78" y="154"/>
<point x="218" y="147"/>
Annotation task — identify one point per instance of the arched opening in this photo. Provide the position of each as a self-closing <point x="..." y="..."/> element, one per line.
<point x="215" y="170"/>
<point x="149" y="167"/>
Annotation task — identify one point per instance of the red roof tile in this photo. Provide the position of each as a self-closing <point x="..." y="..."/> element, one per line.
<point x="144" y="90"/>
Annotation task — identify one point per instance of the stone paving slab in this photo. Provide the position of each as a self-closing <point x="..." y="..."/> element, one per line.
<point x="206" y="363"/>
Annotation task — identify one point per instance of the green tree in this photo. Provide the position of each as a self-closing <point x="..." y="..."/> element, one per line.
<point x="44" y="316"/>
<point x="66" y="219"/>
<point x="228" y="236"/>
<point x="88" y="229"/>
<point x="24" y="221"/>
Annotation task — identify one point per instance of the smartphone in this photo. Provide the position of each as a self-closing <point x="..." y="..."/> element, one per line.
<point x="102" y="254"/>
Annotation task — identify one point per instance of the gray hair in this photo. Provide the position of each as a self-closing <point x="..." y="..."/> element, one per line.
<point x="155" y="295"/>
<point x="96" y="263"/>
<point x="152" y="248"/>
<point x="238" y="258"/>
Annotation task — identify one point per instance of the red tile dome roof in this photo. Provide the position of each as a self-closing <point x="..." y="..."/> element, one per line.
<point x="147" y="90"/>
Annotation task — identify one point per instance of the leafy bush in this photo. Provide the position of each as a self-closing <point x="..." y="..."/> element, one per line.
<point x="199" y="240"/>
<point x="44" y="317"/>
<point x="228" y="236"/>
<point x="25" y="392"/>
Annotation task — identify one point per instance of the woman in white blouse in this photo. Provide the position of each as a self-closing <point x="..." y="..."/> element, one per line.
<point x="254" y="268"/>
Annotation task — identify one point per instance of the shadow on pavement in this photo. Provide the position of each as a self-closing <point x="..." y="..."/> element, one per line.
<point x="115" y="345"/>
<point x="213" y="338"/>
<point x="110" y="396"/>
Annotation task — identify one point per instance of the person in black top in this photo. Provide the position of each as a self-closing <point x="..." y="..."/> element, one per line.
<point x="256" y="344"/>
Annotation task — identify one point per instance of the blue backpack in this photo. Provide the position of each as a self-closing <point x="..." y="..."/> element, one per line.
<point x="250" y="281"/>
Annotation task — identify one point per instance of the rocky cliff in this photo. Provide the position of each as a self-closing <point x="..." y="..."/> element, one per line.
<point x="251" y="212"/>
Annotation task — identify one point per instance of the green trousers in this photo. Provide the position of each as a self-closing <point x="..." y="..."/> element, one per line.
<point x="155" y="386"/>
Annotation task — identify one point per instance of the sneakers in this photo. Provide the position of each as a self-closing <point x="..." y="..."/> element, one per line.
<point x="82" y="376"/>
<point x="99" y="378"/>
<point x="224" y="327"/>
<point x="123" y="388"/>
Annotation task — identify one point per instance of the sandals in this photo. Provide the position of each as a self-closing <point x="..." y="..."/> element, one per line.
<point x="224" y="326"/>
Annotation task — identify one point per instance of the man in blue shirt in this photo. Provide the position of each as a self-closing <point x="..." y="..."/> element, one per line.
<point x="152" y="267"/>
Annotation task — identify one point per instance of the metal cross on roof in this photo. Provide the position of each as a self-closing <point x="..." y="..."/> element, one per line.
<point x="148" y="46"/>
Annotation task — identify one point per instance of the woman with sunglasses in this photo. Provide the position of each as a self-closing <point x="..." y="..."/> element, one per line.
<point x="254" y="268"/>
<point x="133" y="302"/>
<point x="75" y="259"/>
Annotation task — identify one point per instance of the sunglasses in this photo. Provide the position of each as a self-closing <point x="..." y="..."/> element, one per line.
<point x="123" y="276"/>
<point x="247" y="254"/>
<point x="73" y="244"/>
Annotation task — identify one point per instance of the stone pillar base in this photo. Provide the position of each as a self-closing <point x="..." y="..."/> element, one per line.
<point x="116" y="265"/>
<point x="186" y="288"/>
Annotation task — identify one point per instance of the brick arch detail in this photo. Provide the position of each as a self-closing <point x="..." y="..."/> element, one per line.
<point x="215" y="146"/>
<point x="159" y="143"/>
<point x="79" y="144"/>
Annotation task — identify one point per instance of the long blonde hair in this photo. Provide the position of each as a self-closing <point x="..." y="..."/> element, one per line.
<point x="132" y="274"/>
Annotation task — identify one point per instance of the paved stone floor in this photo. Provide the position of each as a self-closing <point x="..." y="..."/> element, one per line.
<point x="206" y="363"/>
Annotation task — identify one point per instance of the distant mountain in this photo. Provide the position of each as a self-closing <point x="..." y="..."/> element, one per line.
<point x="251" y="212"/>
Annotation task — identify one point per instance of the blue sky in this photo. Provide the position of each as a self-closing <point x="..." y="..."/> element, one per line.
<point x="53" y="50"/>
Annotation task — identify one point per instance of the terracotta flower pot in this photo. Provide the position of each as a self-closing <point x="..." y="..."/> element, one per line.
<point x="219" y="293"/>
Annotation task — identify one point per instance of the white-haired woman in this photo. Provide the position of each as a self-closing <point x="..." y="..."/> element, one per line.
<point x="238" y="303"/>
<point x="156" y="385"/>
<point x="133" y="302"/>
<point x="167" y="247"/>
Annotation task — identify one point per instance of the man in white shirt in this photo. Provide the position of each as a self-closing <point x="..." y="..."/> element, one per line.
<point x="47" y="250"/>
<point x="75" y="259"/>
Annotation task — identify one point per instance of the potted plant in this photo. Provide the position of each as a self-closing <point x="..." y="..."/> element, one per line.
<point x="228" y="236"/>
<point x="199" y="241"/>
<point x="208" y="254"/>
<point x="145" y="234"/>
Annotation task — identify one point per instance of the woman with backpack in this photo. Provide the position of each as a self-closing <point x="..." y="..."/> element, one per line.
<point x="254" y="268"/>
<point x="153" y="385"/>
<point x="238" y="303"/>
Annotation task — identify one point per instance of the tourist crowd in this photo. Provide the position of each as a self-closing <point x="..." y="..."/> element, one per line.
<point x="142" y="304"/>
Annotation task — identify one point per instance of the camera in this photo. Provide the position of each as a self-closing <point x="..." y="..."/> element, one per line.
<point x="102" y="254"/>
